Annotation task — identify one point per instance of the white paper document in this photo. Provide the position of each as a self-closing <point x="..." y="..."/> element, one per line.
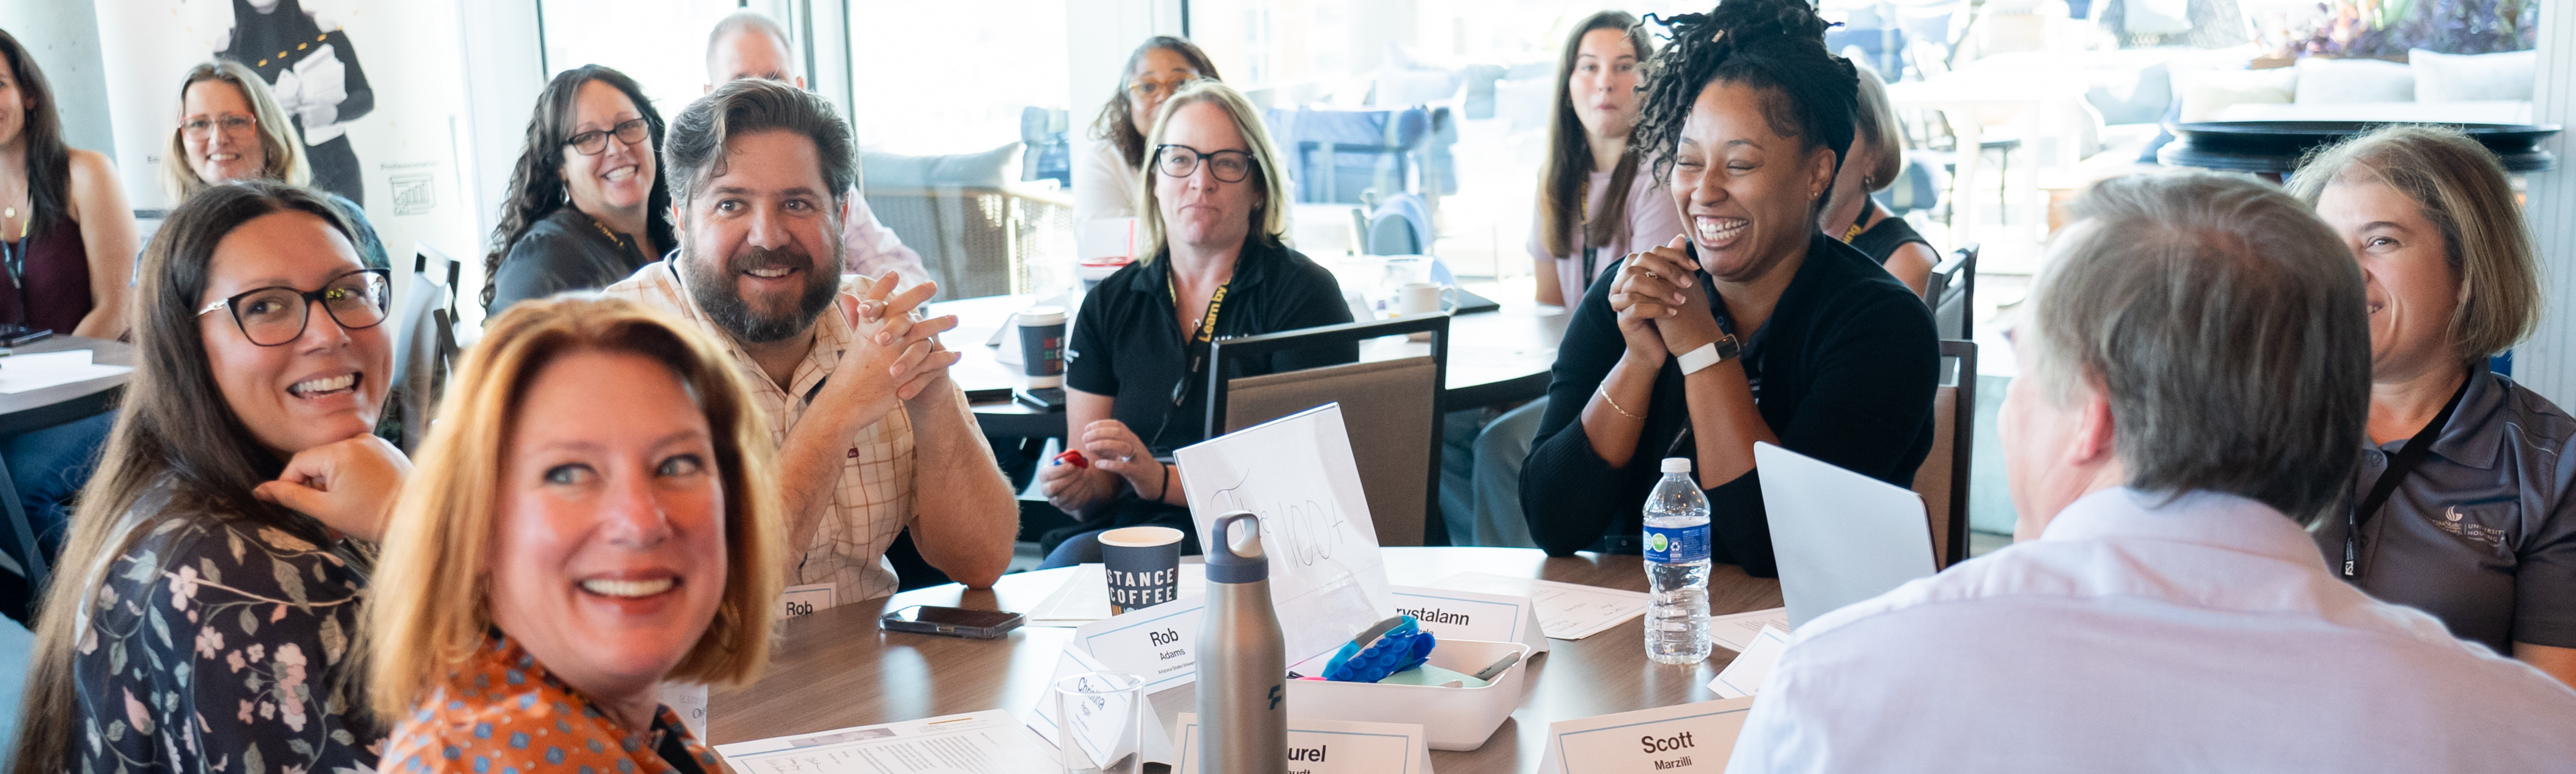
<point x="1566" y="611"/>
<point x="39" y="370"/>
<point x="1743" y="676"/>
<point x="1327" y="578"/>
<point x="971" y="743"/>
<point x="1734" y="632"/>
<point x="1084" y="597"/>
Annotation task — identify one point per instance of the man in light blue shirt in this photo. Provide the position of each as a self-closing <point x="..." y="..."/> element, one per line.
<point x="2194" y="379"/>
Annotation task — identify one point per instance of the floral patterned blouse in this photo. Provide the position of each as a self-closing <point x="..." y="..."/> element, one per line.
<point x="503" y="713"/>
<point x="216" y="644"/>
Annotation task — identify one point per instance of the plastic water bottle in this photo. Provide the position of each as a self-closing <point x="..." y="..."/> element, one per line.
<point x="1677" y="567"/>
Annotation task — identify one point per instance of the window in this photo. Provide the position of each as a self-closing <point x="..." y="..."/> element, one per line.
<point x="662" y="44"/>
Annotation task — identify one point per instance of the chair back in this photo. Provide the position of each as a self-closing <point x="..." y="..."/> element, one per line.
<point x="1951" y="292"/>
<point x="1390" y="407"/>
<point x="1943" y="479"/>
<point x="425" y="345"/>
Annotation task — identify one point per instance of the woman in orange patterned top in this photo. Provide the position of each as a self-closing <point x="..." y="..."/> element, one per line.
<point x="591" y="481"/>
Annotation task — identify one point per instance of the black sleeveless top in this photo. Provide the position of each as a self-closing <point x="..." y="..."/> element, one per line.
<point x="1881" y="240"/>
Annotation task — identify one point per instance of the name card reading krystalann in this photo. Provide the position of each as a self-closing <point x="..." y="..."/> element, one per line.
<point x="1153" y="643"/>
<point x="1682" y="737"/>
<point x="1470" y="615"/>
<point x="1317" y="746"/>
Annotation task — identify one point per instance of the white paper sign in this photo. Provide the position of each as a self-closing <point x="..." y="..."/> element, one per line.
<point x="1735" y="632"/>
<point x="1743" y="676"/>
<point x="1469" y="615"/>
<point x="1326" y="574"/>
<point x="689" y="701"/>
<point x="973" y="743"/>
<point x="1317" y="746"/>
<point x="807" y="599"/>
<point x="1041" y="718"/>
<point x="1682" y="737"/>
<point x="1567" y="611"/>
<point x="1153" y="643"/>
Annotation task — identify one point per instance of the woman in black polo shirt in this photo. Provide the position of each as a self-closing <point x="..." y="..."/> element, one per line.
<point x="1211" y="220"/>
<point x="1752" y="326"/>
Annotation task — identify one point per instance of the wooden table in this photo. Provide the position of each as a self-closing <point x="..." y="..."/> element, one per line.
<point x="835" y="669"/>
<point x="61" y="403"/>
<point x="1494" y="357"/>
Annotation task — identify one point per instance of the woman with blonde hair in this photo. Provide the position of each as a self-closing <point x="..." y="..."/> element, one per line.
<point x="2466" y="502"/>
<point x="1213" y="263"/>
<point x="231" y="128"/>
<point x="1877" y="156"/>
<point x="596" y="484"/>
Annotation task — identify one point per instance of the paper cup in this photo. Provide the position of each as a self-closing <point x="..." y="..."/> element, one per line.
<point x="1042" y="345"/>
<point x="1144" y="566"/>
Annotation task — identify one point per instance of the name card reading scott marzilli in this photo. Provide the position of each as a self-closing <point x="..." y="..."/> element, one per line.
<point x="1682" y="737"/>
<point x="1153" y="643"/>
<point x="1469" y="615"/>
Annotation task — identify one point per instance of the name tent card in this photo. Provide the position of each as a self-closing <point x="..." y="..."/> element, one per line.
<point x="1317" y="746"/>
<point x="1469" y="615"/>
<point x="807" y="599"/>
<point x="1743" y="676"/>
<point x="1042" y="721"/>
<point x="1682" y="737"/>
<point x="1153" y="643"/>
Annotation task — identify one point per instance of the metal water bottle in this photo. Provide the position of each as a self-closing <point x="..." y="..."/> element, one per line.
<point x="1242" y="663"/>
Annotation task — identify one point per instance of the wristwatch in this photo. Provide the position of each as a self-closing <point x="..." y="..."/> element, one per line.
<point x="1709" y="354"/>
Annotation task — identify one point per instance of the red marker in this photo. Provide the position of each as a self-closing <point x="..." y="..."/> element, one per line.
<point x="1073" y="456"/>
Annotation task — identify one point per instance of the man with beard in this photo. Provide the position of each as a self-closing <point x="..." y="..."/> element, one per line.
<point x="873" y="437"/>
<point x="749" y="44"/>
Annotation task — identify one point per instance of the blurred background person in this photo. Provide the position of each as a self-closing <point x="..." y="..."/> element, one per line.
<point x="67" y="233"/>
<point x="231" y="128"/>
<point x="600" y="479"/>
<point x="1109" y="171"/>
<point x="2463" y="505"/>
<point x="586" y="204"/>
<point x="1876" y="158"/>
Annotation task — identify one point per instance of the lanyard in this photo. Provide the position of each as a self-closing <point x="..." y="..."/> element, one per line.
<point x="2407" y="458"/>
<point x="1197" y="346"/>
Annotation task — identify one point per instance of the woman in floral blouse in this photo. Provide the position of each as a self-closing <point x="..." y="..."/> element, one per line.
<point x="203" y="614"/>
<point x="591" y="480"/>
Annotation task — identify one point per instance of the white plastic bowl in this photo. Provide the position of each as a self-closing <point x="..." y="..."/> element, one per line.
<point x="1451" y="718"/>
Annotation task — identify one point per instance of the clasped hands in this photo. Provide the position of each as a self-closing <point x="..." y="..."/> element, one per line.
<point x="893" y="357"/>
<point x="1662" y="306"/>
<point x="1115" y="454"/>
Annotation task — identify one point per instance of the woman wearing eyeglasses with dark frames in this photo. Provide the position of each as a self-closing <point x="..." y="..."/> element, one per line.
<point x="1213" y="266"/>
<point x="1106" y="176"/>
<point x="206" y="606"/>
<point x="587" y="205"/>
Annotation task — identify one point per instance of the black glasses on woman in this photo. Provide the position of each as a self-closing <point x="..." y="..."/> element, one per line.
<point x="590" y="143"/>
<point x="273" y="316"/>
<point x="1229" y="166"/>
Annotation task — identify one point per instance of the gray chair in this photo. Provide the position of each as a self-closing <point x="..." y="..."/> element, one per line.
<point x="1943" y="479"/>
<point x="1951" y="292"/>
<point x="1391" y="408"/>
<point x="424" y="318"/>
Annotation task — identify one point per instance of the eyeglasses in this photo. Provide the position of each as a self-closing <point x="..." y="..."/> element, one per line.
<point x="231" y="123"/>
<point x="273" y="316"/>
<point x="1229" y="166"/>
<point x="590" y="143"/>
<point x="1151" y="89"/>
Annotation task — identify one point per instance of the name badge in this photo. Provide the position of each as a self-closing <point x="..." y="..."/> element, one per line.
<point x="1317" y="746"/>
<point x="807" y="599"/>
<point x="1153" y="643"/>
<point x="1469" y="615"/>
<point x="1682" y="737"/>
<point x="1743" y="676"/>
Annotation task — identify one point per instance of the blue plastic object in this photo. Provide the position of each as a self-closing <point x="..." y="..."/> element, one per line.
<point x="1404" y="647"/>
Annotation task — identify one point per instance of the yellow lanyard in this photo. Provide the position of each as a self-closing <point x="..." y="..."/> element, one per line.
<point x="1207" y="324"/>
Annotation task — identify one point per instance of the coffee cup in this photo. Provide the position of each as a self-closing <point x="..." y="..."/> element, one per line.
<point x="1143" y="565"/>
<point x="1042" y="345"/>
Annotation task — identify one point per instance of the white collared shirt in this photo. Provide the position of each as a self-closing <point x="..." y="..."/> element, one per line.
<point x="875" y="497"/>
<point x="2202" y="634"/>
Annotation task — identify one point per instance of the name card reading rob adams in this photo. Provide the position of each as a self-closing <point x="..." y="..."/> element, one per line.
<point x="1153" y="643"/>
<point x="1682" y="737"/>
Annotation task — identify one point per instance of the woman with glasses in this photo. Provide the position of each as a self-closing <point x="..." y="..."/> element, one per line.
<point x="203" y="615"/>
<point x="1213" y="266"/>
<point x="231" y="128"/>
<point x="587" y="206"/>
<point x="67" y="238"/>
<point x="1106" y="178"/>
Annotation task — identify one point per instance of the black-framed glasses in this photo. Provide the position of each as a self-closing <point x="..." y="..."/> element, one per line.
<point x="230" y="123"/>
<point x="590" y="143"/>
<point x="1146" y="88"/>
<point x="1229" y="166"/>
<point x="274" y="316"/>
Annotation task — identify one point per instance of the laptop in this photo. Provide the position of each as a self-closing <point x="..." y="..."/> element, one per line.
<point x="1841" y="537"/>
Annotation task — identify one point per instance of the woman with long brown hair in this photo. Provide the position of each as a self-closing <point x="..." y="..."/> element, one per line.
<point x="587" y="204"/>
<point x="1111" y="170"/>
<point x="67" y="237"/>
<point x="231" y="128"/>
<point x="202" y="613"/>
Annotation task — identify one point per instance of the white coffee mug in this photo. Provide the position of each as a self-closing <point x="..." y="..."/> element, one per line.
<point x="1419" y="297"/>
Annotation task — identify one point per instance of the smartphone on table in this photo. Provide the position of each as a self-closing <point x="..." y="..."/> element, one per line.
<point x="951" y="621"/>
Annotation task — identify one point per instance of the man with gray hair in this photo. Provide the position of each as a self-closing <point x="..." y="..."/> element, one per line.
<point x="873" y="437"/>
<point x="2195" y="374"/>
<point x="749" y="44"/>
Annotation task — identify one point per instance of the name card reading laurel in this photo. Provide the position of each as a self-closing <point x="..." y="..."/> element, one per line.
<point x="1317" y="746"/>
<point x="1682" y="737"/>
